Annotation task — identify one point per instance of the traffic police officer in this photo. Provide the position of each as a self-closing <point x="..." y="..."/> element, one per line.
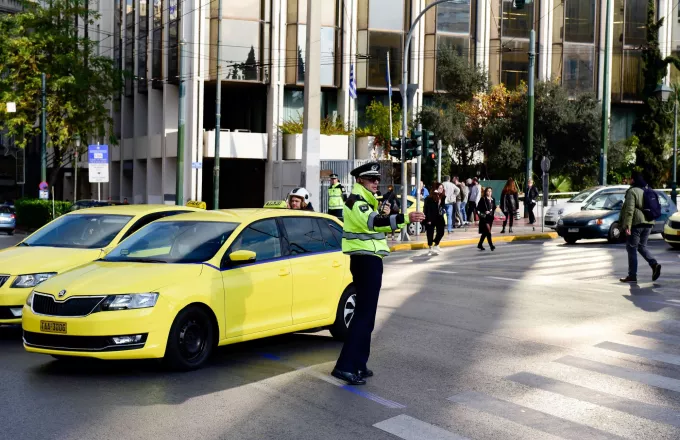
<point x="336" y="197"/>
<point x="364" y="241"/>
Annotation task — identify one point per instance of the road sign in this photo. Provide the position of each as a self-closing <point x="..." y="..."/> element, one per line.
<point x="545" y="165"/>
<point x="98" y="163"/>
<point x="44" y="194"/>
<point x="197" y="165"/>
<point x="43" y="186"/>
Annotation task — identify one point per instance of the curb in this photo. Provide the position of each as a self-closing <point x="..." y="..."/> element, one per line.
<point x="470" y="241"/>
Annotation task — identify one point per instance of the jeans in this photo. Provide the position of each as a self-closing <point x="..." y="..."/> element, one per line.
<point x="463" y="214"/>
<point x="367" y="271"/>
<point x="637" y="242"/>
<point x="450" y="219"/>
<point x="439" y="226"/>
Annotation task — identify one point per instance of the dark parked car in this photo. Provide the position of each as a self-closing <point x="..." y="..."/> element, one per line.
<point x="599" y="218"/>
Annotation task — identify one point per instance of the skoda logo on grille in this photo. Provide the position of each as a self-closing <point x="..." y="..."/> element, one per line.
<point x="61" y="294"/>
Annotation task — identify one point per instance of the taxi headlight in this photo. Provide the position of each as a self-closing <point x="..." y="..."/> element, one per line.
<point x="29" y="300"/>
<point x="129" y="301"/>
<point x="32" y="280"/>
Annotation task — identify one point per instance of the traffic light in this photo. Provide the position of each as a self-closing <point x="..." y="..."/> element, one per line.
<point x="428" y="144"/>
<point x="413" y="147"/>
<point x="395" y="148"/>
<point x="519" y="4"/>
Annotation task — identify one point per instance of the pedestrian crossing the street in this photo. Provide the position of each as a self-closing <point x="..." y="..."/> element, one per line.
<point x="581" y="396"/>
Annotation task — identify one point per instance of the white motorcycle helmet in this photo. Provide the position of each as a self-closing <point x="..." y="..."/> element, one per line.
<point x="301" y="193"/>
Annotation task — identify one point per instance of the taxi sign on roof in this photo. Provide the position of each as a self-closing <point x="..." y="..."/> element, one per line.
<point x="276" y="204"/>
<point x="196" y="204"/>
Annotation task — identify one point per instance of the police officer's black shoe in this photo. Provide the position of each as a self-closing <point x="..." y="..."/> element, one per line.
<point x="365" y="373"/>
<point x="348" y="377"/>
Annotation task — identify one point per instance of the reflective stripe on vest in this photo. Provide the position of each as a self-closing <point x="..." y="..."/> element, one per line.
<point x="352" y="236"/>
<point x="335" y="197"/>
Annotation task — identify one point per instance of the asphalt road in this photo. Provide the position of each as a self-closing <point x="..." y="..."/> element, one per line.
<point x="535" y="341"/>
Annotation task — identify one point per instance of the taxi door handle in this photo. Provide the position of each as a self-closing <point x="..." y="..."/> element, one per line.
<point x="284" y="272"/>
<point x="336" y="264"/>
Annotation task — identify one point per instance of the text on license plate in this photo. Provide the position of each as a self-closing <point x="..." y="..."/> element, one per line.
<point x="573" y="229"/>
<point x="52" y="327"/>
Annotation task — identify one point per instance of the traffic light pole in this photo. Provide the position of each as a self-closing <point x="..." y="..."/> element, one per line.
<point x="404" y="84"/>
<point x="419" y="171"/>
<point x="439" y="161"/>
<point x="530" y="112"/>
<point x="218" y="113"/>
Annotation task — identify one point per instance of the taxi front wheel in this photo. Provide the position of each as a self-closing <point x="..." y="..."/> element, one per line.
<point x="191" y="340"/>
<point x="344" y="315"/>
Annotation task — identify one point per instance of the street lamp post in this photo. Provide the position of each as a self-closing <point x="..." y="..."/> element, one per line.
<point x="76" y="140"/>
<point x="663" y="93"/>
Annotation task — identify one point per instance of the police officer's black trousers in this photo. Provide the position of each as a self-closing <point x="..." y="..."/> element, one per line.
<point x="367" y="271"/>
<point x="336" y="213"/>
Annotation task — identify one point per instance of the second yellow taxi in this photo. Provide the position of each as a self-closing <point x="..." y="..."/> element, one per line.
<point x="186" y="284"/>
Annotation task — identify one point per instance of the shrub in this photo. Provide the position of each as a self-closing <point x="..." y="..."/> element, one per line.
<point x="35" y="213"/>
<point x="328" y="127"/>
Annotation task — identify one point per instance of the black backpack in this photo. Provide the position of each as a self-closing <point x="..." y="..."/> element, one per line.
<point x="651" y="208"/>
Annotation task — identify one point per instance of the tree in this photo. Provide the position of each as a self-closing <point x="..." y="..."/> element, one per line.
<point x="378" y="118"/>
<point x="654" y="123"/>
<point x="250" y="66"/>
<point x="80" y="84"/>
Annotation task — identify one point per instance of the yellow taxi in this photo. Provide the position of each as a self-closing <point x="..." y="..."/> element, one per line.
<point x="671" y="231"/>
<point x="69" y="241"/>
<point x="186" y="284"/>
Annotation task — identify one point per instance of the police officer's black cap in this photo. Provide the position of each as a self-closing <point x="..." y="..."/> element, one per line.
<point x="370" y="169"/>
<point x="334" y="176"/>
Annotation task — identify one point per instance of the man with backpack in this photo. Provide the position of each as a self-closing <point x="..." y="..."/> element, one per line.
<point x="640" y="209"/>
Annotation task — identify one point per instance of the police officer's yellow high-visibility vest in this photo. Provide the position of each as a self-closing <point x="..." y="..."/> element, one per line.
<point x="335" y="200"/>
<point x="364" y="230"/>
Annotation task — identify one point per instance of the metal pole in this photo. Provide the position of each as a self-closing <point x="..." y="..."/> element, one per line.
<point x="179" y="188"/>
<point x="530" y="112"/>
<point x="218" y="113"/>
<point x="404" y="84"/>
<point x="75" y="179"/>
<point x="439" y="161"/>
<point x="674" y="184"/>
<point x="418" y="177"/>
<point x="43" y="134"/>
<point x="390" y="92"/>
<point x="606" y="98"/>
<point x="311" y="135"/>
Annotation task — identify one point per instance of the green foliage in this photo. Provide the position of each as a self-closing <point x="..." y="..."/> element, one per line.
<point x="80" y="84"/>
<point x="560" y="184"/>
<point x="328" y="126"/>
<point x="460" y="79"/>
<point x="655" y="123"/>
<point x="621" y="159"/>
<point x="35" y="213"/>
<point x="378" y="117"/>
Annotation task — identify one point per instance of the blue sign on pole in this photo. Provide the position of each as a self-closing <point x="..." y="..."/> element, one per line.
<point x="98" y="163"/>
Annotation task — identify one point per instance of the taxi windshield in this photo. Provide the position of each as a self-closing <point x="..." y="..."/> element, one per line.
<point x="173" y="242"/>
<point x="82" y="231"/>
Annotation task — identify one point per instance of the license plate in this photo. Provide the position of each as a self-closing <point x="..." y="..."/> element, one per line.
<point x="52" y="327"/>
<point x="573" y="229"/>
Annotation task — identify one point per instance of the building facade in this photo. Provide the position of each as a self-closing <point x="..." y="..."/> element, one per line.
<point x="262" y="68"/>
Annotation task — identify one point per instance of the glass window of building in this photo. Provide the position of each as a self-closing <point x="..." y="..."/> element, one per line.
<point x="579" y="21"/>
<point x="157" y="45"/>
<point x="515" y="63"/>
<point x="630" y="17"/>
<point x="579" y="69"/>
<point x="387" y="15"/>
<point x="512" y="43"/>
<point x="297" y="42"/>
<point x="142" y="47"/>
<point x="379" y="44"/>
<point x="448" y="28"/>
<point x="517" y="22"/>
<point x="129" y="46"/>
<point x="173" y="41"/>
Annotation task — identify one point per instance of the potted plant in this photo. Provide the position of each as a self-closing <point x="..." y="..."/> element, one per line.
<point x="334" y="139"/>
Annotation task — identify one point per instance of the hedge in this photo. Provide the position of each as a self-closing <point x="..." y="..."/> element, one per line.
<point x="35" y="213"/>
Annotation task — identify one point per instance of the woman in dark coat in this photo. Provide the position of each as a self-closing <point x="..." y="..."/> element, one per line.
<point x="486" y="209"/>
<point x="434" y="210"/>
<point x="509" y="203"/>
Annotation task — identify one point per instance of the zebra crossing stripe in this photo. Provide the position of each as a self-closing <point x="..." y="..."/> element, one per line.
<point x="650" y="379"/>
<point x="655" y="413"/>
<point x="530" y="417"/>
<point x="669" y="339"/>
<point x="653" y="355"/>
<point x="409" y="428"/>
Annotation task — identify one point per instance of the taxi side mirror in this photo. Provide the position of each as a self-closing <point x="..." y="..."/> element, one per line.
<point x="242" y="257"/>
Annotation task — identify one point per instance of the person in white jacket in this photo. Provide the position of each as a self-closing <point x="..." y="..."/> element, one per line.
<point x="474" y="197"/>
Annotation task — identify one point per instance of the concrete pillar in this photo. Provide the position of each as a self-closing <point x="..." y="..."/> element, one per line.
<point x="482" y="35"/>
<point x="311" y="136"/>
<point x="349" y="50"/>
<point x="545" y="26"/>
<point x="601" y="43"/>
<point x="416" y="57"/>
<point x="666" y="10"/>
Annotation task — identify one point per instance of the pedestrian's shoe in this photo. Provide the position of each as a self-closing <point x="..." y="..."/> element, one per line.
<point x="493" y="248"/>
<point x="533" y="229"/>
<point x="656" y="272"/>
<point x="503" y="230"/>
<point x="363" y="374"/>
<point x="511" y="230"/>
<point x="629" y="279"/>
<point x="480" y="247"/>
<point x="437" y="249"/>
<point x="350" y="378"/>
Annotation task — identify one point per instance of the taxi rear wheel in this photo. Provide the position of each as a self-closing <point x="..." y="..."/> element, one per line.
<point x="191" y="340"/>
<point x="344" y="314"/>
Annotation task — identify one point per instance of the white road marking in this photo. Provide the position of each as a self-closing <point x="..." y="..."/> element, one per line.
<point x="410" y="428"/>
<point x="505" y="279"/>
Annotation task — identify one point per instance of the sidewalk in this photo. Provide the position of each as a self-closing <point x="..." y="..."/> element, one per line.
<point x="469" y="236"/>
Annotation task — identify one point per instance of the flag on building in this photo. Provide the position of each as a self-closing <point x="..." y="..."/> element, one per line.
<point x="352" y="83"/>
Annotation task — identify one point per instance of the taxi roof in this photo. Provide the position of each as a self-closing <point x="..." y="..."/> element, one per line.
<point x="134" y="210"/>
<point x="243" y="215"/>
